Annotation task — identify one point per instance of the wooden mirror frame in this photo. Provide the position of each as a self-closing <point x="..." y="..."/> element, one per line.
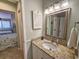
<point x="67" y="18"/>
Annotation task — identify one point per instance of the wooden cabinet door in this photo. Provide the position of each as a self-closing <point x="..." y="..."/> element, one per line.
<point x="43" y="55"/>
<point x="39" y="54"/>
<point x="35" y="52"/>
<point x="47" y="56"/>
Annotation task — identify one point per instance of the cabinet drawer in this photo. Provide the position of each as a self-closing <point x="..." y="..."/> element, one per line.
<point x="39" y="54"/>
<point x="47" y="56"/>
<point x="43" y="55"/>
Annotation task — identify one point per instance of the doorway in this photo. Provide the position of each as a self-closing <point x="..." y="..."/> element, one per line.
<point x="11" y="34"/>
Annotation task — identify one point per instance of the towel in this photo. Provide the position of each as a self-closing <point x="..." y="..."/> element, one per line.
<point x="72" y="42"/>
<point x="78" y="45"/>
<point x="78" y="41"/>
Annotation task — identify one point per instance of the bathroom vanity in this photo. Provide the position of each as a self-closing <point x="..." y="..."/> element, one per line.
<point x="55" y="44"/>
<point x="44" y="49"/>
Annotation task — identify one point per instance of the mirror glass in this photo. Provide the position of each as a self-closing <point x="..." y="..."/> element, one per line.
<point x="56" y="24"/>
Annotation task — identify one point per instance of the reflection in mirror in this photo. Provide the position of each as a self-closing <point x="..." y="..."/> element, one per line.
<point x="56" y="24"/>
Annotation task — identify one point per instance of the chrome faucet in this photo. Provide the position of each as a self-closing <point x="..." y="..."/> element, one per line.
<point x="57" y="40"/>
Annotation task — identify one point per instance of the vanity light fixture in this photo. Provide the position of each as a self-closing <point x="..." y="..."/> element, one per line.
<point x="56" y="7"/>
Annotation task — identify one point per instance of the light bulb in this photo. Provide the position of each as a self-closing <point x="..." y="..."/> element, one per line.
<point x="57" y="7"/>
<point x="51" y="9"/>
<point x="65" y="4"/>
<point x="46" y="11"/>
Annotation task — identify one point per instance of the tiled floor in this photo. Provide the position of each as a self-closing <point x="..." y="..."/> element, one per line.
<point x="11" y="53"/>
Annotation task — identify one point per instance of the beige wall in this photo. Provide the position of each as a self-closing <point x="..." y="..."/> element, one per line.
<point x="7" y="6"/>
<point x="29" y="34"/>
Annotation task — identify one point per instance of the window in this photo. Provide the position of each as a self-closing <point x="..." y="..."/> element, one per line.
<point x="0" y="25"/>
<point x="5" y="25"/>
<point x="7" y="22"/>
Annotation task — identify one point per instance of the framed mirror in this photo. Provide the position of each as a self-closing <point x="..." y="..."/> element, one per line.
<point x="57" y="24"/>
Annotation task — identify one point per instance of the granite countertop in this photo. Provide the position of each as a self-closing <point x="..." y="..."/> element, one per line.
<point x="62" y="53"/>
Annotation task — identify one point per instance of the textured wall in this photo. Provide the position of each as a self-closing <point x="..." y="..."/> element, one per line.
<point x="29" y="34"/>
<point x="8" y="40"/>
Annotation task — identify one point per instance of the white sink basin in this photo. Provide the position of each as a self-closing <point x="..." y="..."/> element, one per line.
<point x="50" y="46"/>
